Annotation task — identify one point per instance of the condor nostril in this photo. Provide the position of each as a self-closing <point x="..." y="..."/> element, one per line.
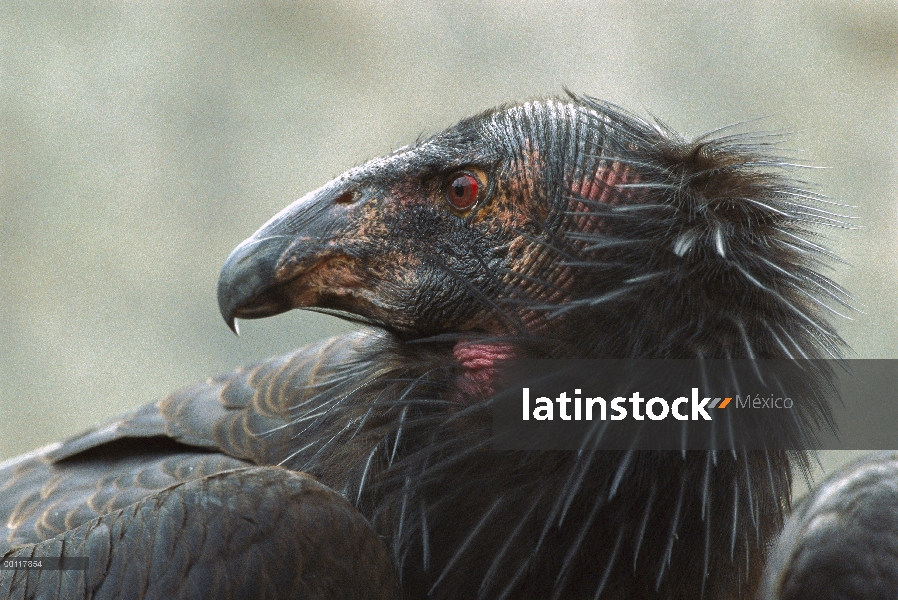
<point x="345" y="198"/>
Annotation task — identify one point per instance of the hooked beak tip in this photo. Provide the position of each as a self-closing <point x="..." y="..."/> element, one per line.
<point x="247" y="285"/>
<point x="234" y="325"/>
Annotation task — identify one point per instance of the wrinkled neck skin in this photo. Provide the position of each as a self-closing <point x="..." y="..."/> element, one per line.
<point x="666" y="248"/>
<point x="478" y="363"/>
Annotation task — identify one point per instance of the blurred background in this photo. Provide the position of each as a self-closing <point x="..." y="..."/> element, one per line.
<point x="140" y="143"/>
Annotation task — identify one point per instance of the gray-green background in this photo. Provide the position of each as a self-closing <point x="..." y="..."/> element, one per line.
<point x="140" y="143"/>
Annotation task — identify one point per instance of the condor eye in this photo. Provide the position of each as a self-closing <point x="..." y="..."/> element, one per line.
<point x="461" y="193"/>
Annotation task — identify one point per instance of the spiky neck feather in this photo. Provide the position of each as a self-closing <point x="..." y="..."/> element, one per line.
<point x="391" y="433"/>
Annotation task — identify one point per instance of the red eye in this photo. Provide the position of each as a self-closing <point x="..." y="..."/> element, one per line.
<point x="462" y="191"/>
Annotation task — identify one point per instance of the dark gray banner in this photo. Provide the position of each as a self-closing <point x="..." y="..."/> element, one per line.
<point x="696" y="405"/>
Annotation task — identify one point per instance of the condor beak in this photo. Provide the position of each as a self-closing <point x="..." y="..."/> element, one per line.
<point x="255" y="279"/>
<point x="248" y="287"/>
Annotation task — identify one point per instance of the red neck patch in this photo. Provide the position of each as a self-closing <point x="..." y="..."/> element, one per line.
<point x="478" y="361"/>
